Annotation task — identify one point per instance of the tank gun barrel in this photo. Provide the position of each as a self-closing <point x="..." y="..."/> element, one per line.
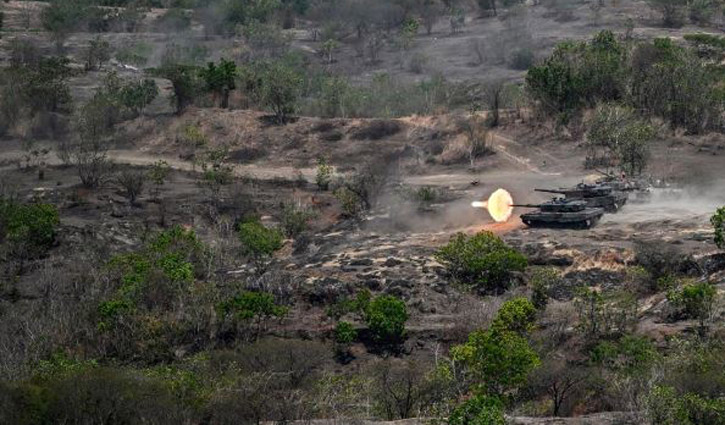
<point x="526" y="205"/>
<point x="561" y="192"/>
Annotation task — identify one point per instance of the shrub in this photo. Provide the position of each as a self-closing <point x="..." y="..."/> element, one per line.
<point x="27" y="230"/>
<point x="694" y="301"/>
<point x="97" y="54"/>
<point x="220" y="79"/>
<point x="718" y="223"/>
<point x="294" y="219"/>
<point x="622" y="136"/>
<point x="350" y="202"/>
<point x="665" y="407"/>
<point x="605" y="314"/>
<point x="132" y="184"/>
<point x="275" y="85"/>
<point x="497" y="361"/>
<point x="515" y="315"/>
<point x="479" y="410"/>
<point x="386" y="316"/>
<point x="482" y="260"/>
<point x="259" y="242"/>
<point x="542" y="281"/>
<point x="252" y="305"/>
<point x="633" y="355"/>
<point x="345" y="335"/>
<point x="324" y="174"/>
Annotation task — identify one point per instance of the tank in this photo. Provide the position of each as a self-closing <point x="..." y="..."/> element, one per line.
<point x="595" y="195"/>
<point x="561" y="213"/>
<point x="639" y="190"/>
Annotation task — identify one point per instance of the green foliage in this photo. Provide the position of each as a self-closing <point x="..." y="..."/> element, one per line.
<point x="515" y="315"/>
<point x="258" y="241"/>
<point x="579" y="74"/>
<point x="671" y="82"/>
<point x="97" y="54"/>
<point x="275" y="85"/>
<point x="324" y="173"/>
<point x="27" y="231"/>
<point x="185" y="82"/>
<point x="253" y="305"/>
<point x="633" y="355"/>
<point x="62" y="17"/>
<point x="215" y="171"/>
<point x="622" y="136"/>
<point x="45" y="84"/>
<point x="694" y="301"/>
<point x="220" y="79"/>
<point x="294" y="219"/>
<point x="718" y="223"/>
<point x="345" y="333"/>
<point x="603" y="314"/>
<point x="137" y="95"/>
<point x="665" y="407"/>
<point x="350" y="202"/>
<point x="478" y="410"/>
<point x="497" y="361"/>
<point x="385" y="316"/>
<point x="542" y="281"/>
<point x="168" y="263"/>
<point x="482" y="260"/>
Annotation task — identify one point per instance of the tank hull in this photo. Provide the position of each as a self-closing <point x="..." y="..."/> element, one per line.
<point x="569" y="220"/>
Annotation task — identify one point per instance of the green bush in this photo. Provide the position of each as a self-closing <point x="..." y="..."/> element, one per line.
<point x="250" y="305"/>
<point x="482" y="260"/>
<point x="386" y="316"/>
<point x="665" y="407"/>
<point x="515" y="315"/>
<point x="694" y="301"/>
<point x="629" y="354"/>
<point x="718" y="223"/>
<point x="542" y="281"/>
<point x="479" y="410"/>
<point x="295" y="219"/>
<point x="275" y="85"/>
<point x="27" y="230"/>
<point x="259" y="242"/>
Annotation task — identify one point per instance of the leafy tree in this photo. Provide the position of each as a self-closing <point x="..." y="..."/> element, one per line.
<point x="97" y="54"/>
<point x="220" y="79"/>
<point x="45" y="87"/>
<point x="671" y="82"/>
<point x="62" y="17"/>
<point x="132" y="184"/>
<point x="27" y="231"/>
<point x="275" y="85"/>
<point x="345" y="335"/>
<point x="516" y="315"/>
<point x="694" y="301"/>
<point x="295" y="218"/>
<point x="253" y="308"/>
<point x="137" y="95"/>
<point x="579" y="74"/>
<point x="541" y="282"/>
<point x="622" y="135"/>
<point x="718" y="223"/>
<point x="184" y="80"/>
<point x="482" y="260"/>
<point x="324" y="173"/>
<point x="259" y="242"/>
<point x="479" y="410"/>
<point x="496" y="361"/>
<point x="386" y="316"/>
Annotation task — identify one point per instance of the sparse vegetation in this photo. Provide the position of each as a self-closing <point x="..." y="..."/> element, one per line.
<point x="229" y="290"/>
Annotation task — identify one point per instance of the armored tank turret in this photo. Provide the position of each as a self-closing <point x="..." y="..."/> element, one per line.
<point x="561" y="213"/>
<point x="638" y="189"/>
<point x="595" y="195"/>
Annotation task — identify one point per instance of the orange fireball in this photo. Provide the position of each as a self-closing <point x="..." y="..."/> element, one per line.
<point x="498" y="205"/>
